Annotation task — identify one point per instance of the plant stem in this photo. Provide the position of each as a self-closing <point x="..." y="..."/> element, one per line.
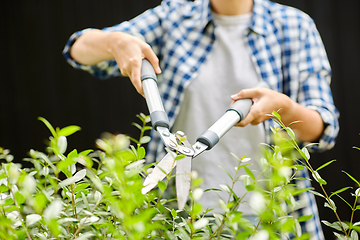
<point x="232" y="209"/>
<point x="314" y="175"/>
<point x="80" y="226"/>
<point x="353" y="212"/>
<point x="16" y="204"/>
<point x="230" y="195"/>
<point x="73" y="200"/>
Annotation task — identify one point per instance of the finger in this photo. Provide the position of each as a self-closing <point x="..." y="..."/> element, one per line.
<point x="248" y="119"/>
<point x="153" y="59"/>
<point x="260" y="120"/>
<point x="135" y="77"/>
<point x="246" y="93"/>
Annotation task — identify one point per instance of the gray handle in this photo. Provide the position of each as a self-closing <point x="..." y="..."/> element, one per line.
<point x="149" y="81"/>
<point x="233" y="115"/>
<point x="241" y="107"/>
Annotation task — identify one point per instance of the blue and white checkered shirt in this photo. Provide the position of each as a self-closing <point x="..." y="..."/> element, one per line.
<point x="285" y="47"/>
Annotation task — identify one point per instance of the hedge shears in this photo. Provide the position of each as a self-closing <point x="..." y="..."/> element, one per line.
<point x="177" y="144"/>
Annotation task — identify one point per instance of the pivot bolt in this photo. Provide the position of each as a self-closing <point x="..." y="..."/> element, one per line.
<point x="166" y="134"/>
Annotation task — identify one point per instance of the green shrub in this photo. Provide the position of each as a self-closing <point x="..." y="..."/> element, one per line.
<point x="97" y="194"/>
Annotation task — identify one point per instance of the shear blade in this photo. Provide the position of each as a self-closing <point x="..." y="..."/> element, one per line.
<point x="183" y="181"/>
<point x="163" y="168"/>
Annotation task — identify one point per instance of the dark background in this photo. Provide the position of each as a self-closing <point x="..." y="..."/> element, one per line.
<point x="36" y="80"/>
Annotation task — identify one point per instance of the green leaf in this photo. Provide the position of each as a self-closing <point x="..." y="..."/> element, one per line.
<point x="345" y="201"/>
<point x="86" y="202"/>
<point x="290" y="132"/>
<point x="40" y="202"/>
<point x="306" y="153"/>
<point x="173" y="213"/>
<point x="81" y="186"/>
<point x="299" y="167"/>
<point x="61" y="144"/>
<point x="339" y="191"/>
<point x="69" y="130"/>
<point x="3" y="188"/>
<point x="226" y="172"/>
<point x="137" y="126"/>
<point x="141" y="153"/>
<point x="201" y="223"/>
<point x="48" y="125"/>
<point x="135" y="165"/>
<point x="146" y="128"/>
<point x="322" y="181"/>
<point x="250" y="187"/>
<point x="212" y="189"/>
<point x="53" y="210"/>
<point x="236" y="198"/>
<point x="19" y="198"/>
<point x="352" y="178"/>
<point x="354" y="235"/>
<point x="305" y="218"/>
<point x="85" y="152"/>
<point x="277" y="115"/>
<point x="318" y="178"/>
<point x="85" y="236"/>
<point x="31" y="219"/>
<point x="179" y="157"/>
<point x="336" y="225"/>
<point x="301" y="191"/>
<point x="249" y="172"/>
<point x="63" y="164"/>
<point x="162" y="186"/>
<point x="317" y="194"/>
<point x="224" y="187"/>
<point x="294" y="123"/>
<point x="145" y="139"/>
<point x="326" y="204"/>
<point x="77" y="177"/>
<point x="324" y="165"/>
<point x="356" y="148"/>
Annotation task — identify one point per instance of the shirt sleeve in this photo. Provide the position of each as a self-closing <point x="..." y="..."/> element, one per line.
<point x="148" y="26"/>
<point x="314" y="89"/>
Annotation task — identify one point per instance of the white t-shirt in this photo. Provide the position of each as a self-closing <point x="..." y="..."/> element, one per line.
<point x="226" y="71"/>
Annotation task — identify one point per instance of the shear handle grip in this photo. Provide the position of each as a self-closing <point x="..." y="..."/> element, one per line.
<point x="153" y="100"/>
<point x="233" y="115"/>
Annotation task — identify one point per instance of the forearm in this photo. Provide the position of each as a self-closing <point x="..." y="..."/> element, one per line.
<point x="310" y="126"/>
<point x="93" y="47"/>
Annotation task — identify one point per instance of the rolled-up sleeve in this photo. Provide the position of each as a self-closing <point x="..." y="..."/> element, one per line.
<point x="314" y="89"/>
<point x="148" y="26"/>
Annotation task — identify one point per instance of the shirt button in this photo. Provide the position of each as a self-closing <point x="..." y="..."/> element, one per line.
<point x="193" y="69"/>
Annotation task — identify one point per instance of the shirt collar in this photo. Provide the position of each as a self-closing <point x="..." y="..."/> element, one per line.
<point x="261" y="17"/>
<point x="260" y="21"/>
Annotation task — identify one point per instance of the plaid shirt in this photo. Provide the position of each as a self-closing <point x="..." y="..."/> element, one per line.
<point x="284" y="45"/>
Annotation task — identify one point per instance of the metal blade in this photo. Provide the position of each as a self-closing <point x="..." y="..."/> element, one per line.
<point x="183" y="178"/>
<point x="183" y="181"/>
<point x="164" y="167"/>
<point x="199" y="148"/>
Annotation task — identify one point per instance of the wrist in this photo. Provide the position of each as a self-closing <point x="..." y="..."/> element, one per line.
<point x="113" y="41"/>
<point x="290" y="110"/>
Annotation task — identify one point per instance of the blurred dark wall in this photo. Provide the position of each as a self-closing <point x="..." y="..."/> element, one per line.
<point x="36" y="80"/>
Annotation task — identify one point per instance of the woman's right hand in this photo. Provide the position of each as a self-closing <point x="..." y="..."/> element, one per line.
<point x="128" y="51"/>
